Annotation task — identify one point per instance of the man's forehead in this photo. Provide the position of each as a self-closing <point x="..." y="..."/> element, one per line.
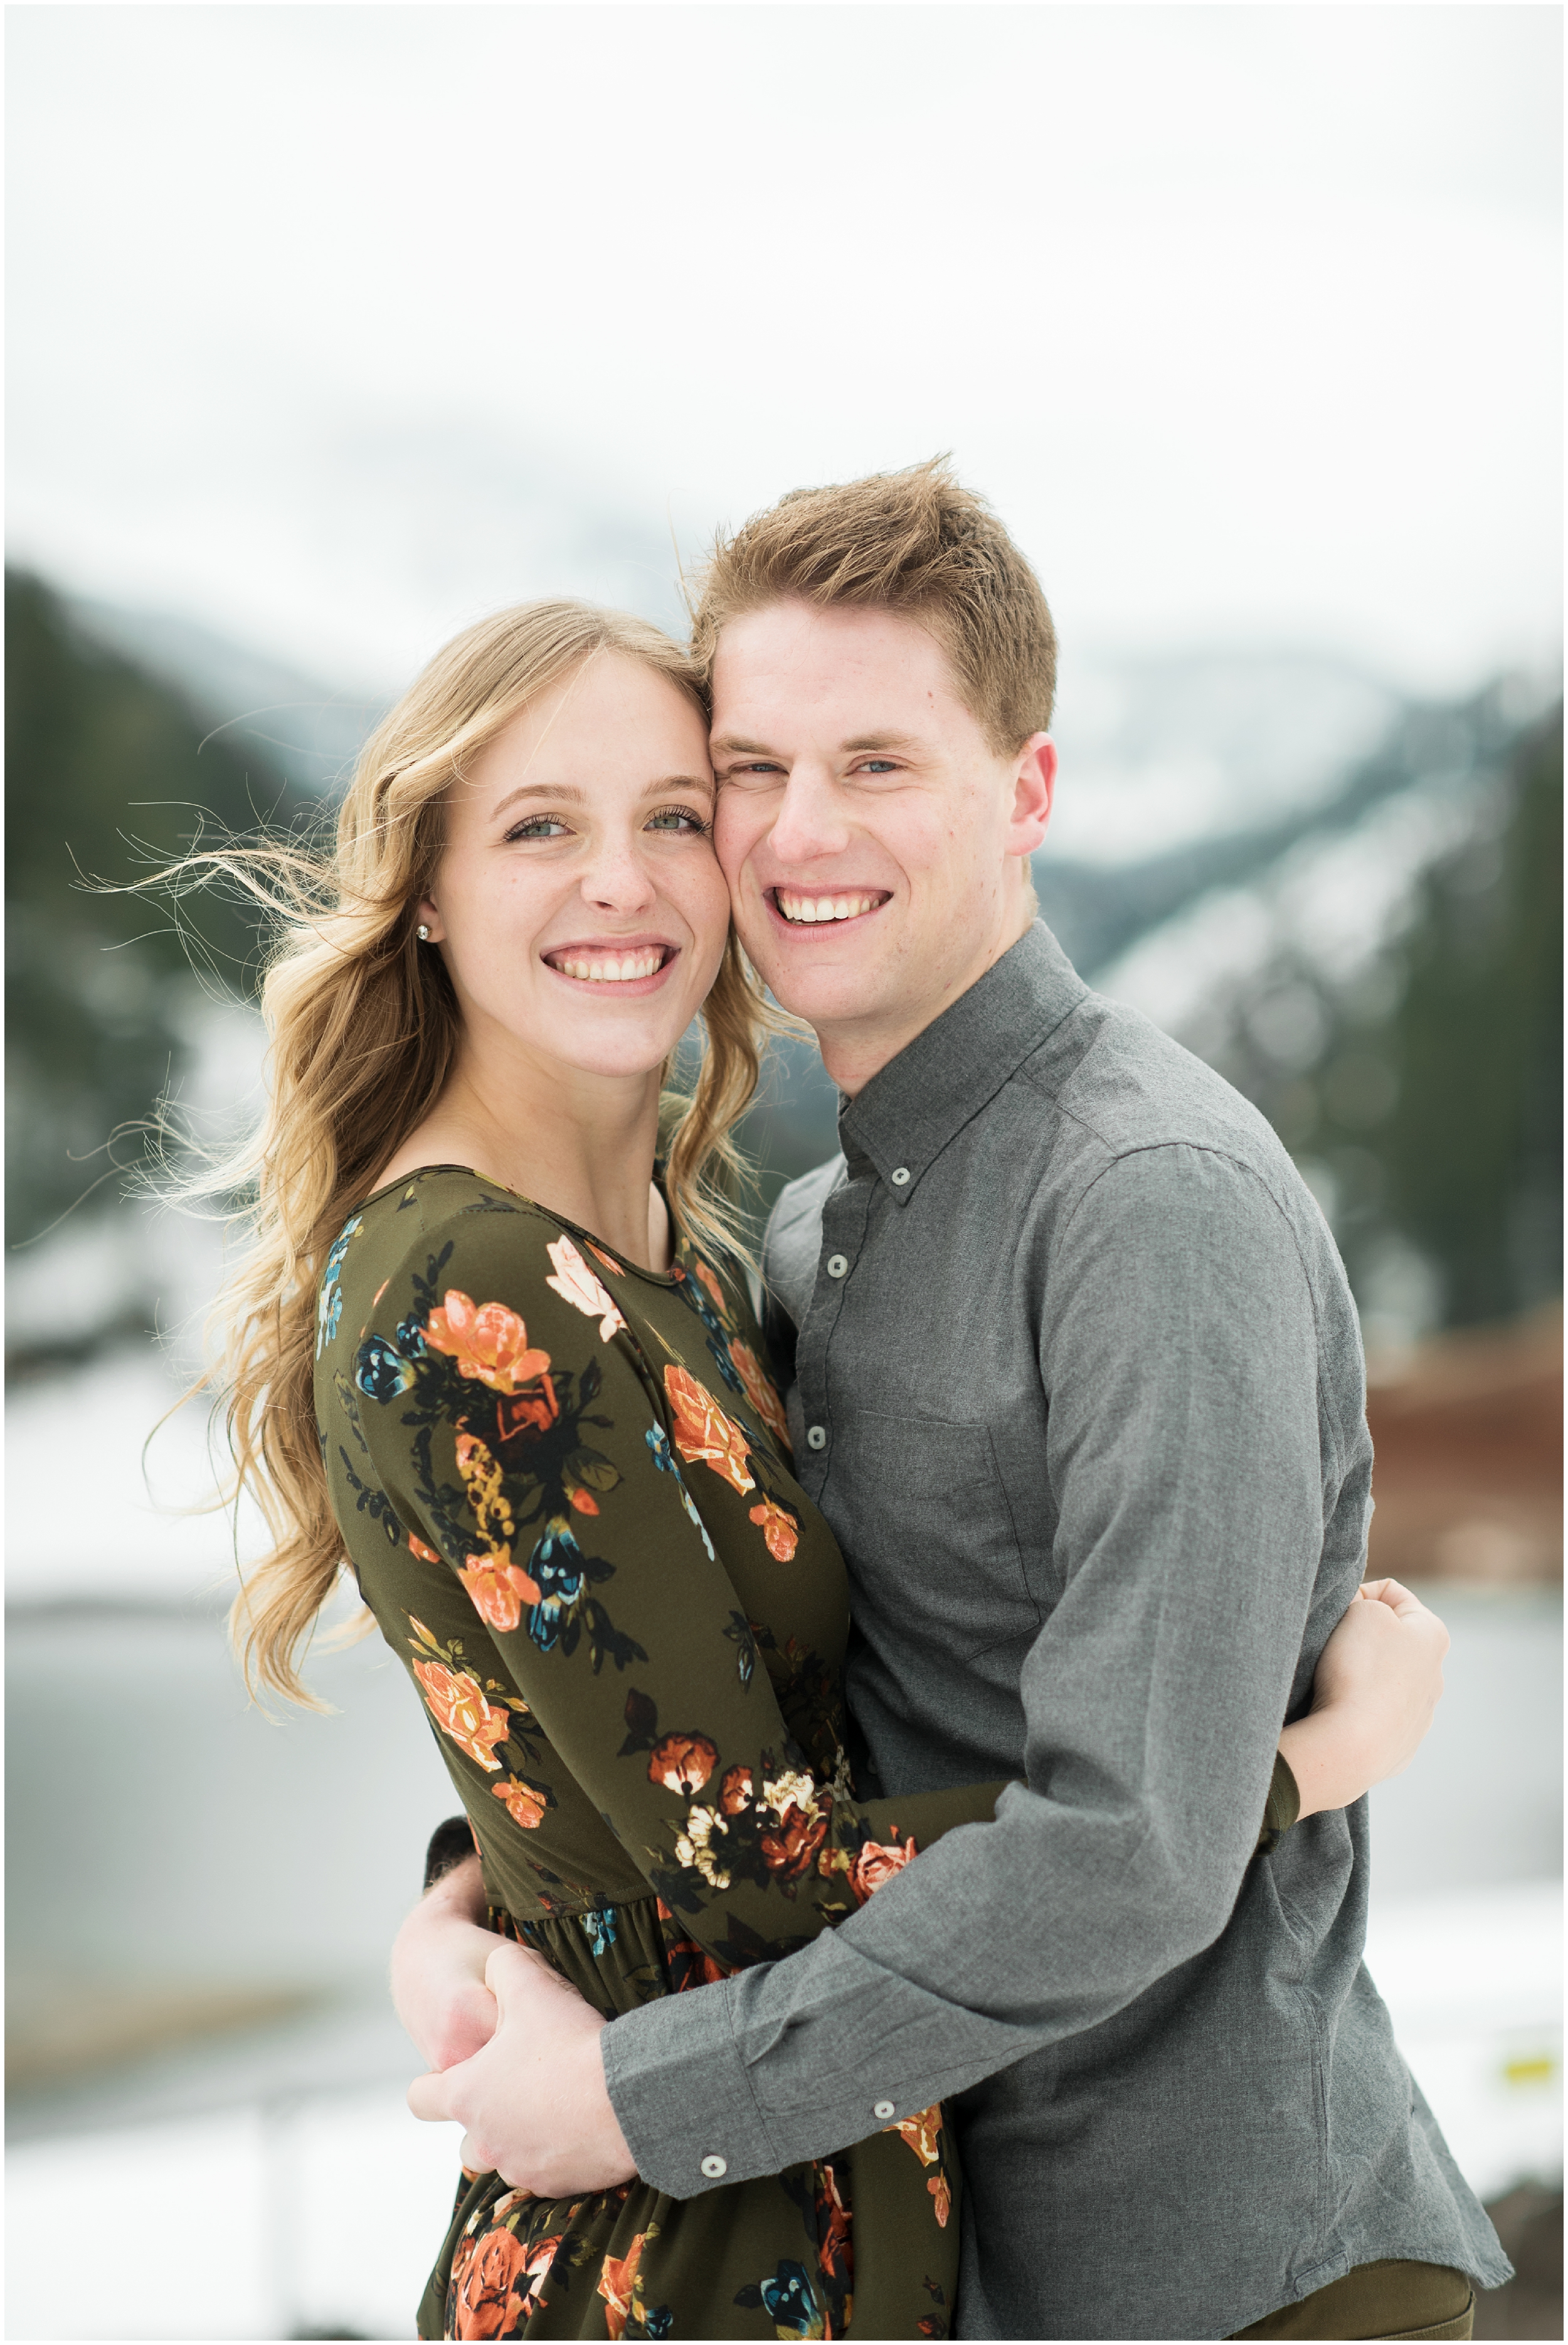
<point x="875" y="682"/>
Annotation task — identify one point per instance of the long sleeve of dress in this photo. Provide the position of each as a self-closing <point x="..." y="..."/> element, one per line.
<point x="616" y="1605"/>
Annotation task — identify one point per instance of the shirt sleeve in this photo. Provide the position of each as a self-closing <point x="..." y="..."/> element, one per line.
<point x="531" y="1450"/>
<point x="1180" y="1359"/>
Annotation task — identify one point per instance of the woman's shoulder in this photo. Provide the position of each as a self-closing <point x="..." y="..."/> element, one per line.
<point x="438" y="1204"/>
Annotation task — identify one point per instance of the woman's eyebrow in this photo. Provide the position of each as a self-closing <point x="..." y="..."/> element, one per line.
<point x="569" y="793"/>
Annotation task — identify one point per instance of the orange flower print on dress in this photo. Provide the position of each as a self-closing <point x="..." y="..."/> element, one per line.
<point x="922" y="2132"/>
<point x="835" y="2243"/>
<point x="499" y="1588"/>
<point x="575" y="1284"/>
<point x="683" y="1763"/>
<point x="703" y="1431"/>
<point x="779" y="1528"/>
<point x="715" y="1292"/>
<point x="486" y="2299"/>
<point x="760" y="1391"/>
<point x="876" y="1865"/>
<point x="736" y="1792"/>
<point x="533" y="1411"/>
<point x="487" y="1341"/>
<point x="457" y="1704"/>
<point x="524" y="1804"/>
<point x="617" y="2282"/>
<point x="426" y="1554"/>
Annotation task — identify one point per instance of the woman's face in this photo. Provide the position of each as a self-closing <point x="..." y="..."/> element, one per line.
<point x="578" y="902"/>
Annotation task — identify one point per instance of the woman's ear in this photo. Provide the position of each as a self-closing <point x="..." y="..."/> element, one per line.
<point x="431" y="928"/>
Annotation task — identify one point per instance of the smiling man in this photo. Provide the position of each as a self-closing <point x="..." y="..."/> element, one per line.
<point x="1076" y="1380"/>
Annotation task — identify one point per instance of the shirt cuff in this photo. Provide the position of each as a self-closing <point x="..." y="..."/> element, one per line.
<point x="785" y="2062"/>
<point x="679" y="2087"/>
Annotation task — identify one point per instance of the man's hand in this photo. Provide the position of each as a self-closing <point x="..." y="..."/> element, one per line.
<point x="533" y="2103"/>
<point x="1378" y="1679"/>
<point x="438" y="1969"/>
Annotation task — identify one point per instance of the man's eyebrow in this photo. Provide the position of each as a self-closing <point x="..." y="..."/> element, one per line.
<point x="568" y="793"/>
<point x="732" y="744"/>
<point x="726" y="744"/>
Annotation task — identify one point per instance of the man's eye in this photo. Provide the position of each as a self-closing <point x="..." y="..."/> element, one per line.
<point x="758" y="769"/>
<point x="539" y="825"/>
<point x="682" y="820"/>
<point x="878" y="766"/>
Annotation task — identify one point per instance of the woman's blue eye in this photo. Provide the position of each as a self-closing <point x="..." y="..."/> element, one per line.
<point x="677" y="819"/>
<point x="539" y="825"/>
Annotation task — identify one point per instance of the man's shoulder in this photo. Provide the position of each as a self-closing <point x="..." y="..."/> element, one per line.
<point x="1120" y="1085"/>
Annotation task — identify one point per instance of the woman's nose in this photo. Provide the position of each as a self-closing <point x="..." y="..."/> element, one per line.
<point x="617" y="879"/>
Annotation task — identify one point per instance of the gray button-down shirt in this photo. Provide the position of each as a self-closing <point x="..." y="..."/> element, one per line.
<point x="1078" y="1386"/>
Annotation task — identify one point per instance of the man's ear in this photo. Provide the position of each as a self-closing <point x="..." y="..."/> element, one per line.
<point x="1034" y="792"/>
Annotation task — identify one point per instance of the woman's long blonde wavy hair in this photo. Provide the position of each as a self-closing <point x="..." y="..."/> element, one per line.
<point x="362" y="1026"/>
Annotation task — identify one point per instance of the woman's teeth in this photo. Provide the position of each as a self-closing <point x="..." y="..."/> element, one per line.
<point x="610" y="968"/>
<point x="824" y="907"/>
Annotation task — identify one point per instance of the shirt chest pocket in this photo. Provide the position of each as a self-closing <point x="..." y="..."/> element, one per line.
<point x="924" y="1517"/>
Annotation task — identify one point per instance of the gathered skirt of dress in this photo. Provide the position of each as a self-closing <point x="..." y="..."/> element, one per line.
<point x="863" y="2244"/>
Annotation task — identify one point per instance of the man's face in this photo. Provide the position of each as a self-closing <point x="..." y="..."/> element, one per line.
<point x="870" y="834"/>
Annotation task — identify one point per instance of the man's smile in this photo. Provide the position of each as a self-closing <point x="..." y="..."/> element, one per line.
<point x="799" y="909"/>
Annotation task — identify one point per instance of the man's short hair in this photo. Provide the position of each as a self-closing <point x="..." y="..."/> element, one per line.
<point x="916" y="542"/>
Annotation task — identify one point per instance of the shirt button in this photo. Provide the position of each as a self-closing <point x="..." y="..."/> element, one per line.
<point x="816" y="1437"/>
<point x="882" y="2109"/>
<point x="899" y="1175"/>
<point x="715" y="2167"/>
<point x="837" y="1263"/>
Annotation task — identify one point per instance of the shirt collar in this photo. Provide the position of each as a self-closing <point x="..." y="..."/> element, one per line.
<point x="900" y="1123"/>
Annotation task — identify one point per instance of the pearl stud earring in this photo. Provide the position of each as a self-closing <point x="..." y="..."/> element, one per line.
<point x="422" y="933"/>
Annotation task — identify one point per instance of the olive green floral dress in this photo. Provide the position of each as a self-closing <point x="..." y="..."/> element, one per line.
<point x="563" y="1483"/>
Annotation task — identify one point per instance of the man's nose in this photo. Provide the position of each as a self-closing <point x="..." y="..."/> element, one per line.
<point x="811" y="821"/>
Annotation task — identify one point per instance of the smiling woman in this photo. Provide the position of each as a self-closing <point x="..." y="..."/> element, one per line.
<point x="472" y="794"/>
<point x="490" y="1356"/>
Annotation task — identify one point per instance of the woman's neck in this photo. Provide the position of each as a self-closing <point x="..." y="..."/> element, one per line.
<point x="582" y="1145"/>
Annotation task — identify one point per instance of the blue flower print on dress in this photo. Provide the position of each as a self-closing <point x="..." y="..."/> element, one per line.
<point x="329" y="1302"/>
<point x="658" y="1441"/>
<point x="788" y="2300"/>
<point x="717" y="1333"/>
<point x="599" y="1929"/>
<point x="381" y="1370"/>
<point x="557" y="1564"/>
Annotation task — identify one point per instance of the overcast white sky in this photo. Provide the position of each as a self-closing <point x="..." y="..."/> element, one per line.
<point x="333" y="326"/>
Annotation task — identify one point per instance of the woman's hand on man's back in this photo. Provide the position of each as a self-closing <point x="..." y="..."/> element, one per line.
<point x="1379" y="1681"/>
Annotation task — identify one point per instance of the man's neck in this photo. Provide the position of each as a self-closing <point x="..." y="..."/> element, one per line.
<point x="858" y="1050"/>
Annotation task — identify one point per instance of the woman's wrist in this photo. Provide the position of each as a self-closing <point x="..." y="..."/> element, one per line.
<point x="1327" y="1753"/>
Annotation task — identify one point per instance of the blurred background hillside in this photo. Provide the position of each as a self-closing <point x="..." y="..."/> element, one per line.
<point x="356" y="322"/>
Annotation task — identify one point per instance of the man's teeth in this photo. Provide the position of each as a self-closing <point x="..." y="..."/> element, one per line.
<point x="610" y="968"/>
<point x="824" y="907"/>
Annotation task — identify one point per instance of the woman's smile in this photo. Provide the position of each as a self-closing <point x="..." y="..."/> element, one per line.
<point x="620" y="966"/>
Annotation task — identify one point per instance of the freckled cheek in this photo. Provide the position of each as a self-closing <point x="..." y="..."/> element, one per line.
<point x="740" y="826"/>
